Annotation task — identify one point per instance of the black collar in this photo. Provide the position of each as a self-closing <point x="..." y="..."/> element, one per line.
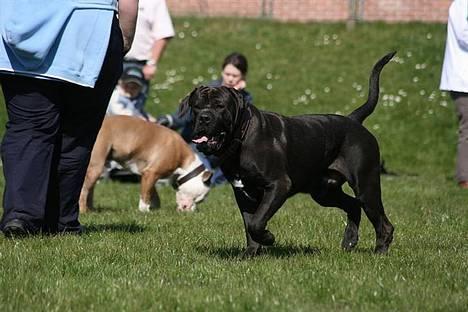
<point x="192" y="174"/>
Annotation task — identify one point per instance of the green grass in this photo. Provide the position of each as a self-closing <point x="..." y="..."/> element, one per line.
<point x="165" y="260"/>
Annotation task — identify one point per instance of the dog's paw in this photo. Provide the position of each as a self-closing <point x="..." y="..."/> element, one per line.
<point x="265" y="238"/>
<point x="143" y="207"/>
<point x="350" y="238"/>
<point x="250" y="252"/>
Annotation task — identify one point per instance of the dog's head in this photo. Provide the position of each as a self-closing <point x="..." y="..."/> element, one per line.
<point x="216" y="112"/>
<point x="192" y="191"/>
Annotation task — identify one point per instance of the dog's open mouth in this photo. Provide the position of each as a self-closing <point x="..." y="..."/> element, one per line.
<point x="213" y="143"/>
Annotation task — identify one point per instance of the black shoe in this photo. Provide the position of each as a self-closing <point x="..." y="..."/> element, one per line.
<point x="16" y="228"/>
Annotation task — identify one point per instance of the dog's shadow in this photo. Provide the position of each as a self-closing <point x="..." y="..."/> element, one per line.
<point x="131" y="228"/>
<point x="276" y="251"/>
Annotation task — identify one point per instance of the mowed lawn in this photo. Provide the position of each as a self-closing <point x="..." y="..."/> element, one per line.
<point x="164" y="260"/>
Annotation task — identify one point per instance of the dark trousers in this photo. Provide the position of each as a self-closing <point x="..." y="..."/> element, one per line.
<point x="50" y="133"/>
<point x="461" y="106"/>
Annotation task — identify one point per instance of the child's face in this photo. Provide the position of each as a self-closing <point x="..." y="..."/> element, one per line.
<point x="231" y="76"/>
<point x="131" y="88"/>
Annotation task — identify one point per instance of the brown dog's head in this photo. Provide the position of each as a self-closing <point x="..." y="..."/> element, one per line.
<point x="215" y="112"/>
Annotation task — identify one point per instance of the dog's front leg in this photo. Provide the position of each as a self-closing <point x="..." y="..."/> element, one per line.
<point x="247" y="207"/>
<point x="275" y="194"/>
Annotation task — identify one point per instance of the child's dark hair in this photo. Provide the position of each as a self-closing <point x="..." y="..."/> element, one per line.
<point x="238" y="60"/>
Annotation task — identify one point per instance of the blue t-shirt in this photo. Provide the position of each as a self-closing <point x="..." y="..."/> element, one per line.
<point x="55" y="39"/>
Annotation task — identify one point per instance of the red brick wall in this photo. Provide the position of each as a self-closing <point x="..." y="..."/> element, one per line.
<point x="316" y="10"/>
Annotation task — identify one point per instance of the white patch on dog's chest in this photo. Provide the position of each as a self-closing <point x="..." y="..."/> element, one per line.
<point x="237" y="183"/>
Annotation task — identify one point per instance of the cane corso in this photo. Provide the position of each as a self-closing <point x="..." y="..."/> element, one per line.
<point x="268" y="157"/>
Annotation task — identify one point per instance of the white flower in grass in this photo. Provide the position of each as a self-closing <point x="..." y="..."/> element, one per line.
<point x="422" y="92"/>
<point x="428" y="36"/>
<point x="194" y="34"/>
<point x="409" y="54"/>
<point x="415" y="79"/>
<point x="443" y="103"/>
<point x="443" y="94"/>
<point x="156" y="101"/>
<point x="340" y="79"/>
<point x="269" y="76"/>
<point x="269" y="86"/>
<point x="258" y="46"/>
<point x="430" y="112"/>
<point x="181" y="35"/>
<point x="402" y="93"/>
<point x="307" y="91"/>
<point x="186" y="24"/>
<point x="313" y="96"/>
<point x="376" y="127"/>
<point x="214" y="77"/>
<point x="326" y="89"/>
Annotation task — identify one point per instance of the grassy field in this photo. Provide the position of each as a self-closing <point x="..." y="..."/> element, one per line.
<point x="164" y="260"/>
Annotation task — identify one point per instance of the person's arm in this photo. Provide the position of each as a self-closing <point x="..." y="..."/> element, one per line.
<point x="128" y="11"/>
<point x="149" y="70"/>
<point x="458" y="19"/>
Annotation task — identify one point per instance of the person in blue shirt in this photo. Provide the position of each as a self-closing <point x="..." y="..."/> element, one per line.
<point x="58" y="68"/>
<point x="234" y="74"/>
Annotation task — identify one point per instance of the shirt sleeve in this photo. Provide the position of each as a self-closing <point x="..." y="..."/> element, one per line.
<point x="162" y="26"/>
<point x="458" y="19"/>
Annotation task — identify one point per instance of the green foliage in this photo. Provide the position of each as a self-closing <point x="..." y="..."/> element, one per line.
<point x="166" y="260"/>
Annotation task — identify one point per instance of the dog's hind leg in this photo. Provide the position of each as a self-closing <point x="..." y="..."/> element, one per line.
<point x="87" y="190"/>
<point x="369" y="193"/>
<point x="331" y="195"/>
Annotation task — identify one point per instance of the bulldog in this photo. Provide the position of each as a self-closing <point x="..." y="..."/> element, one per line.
<point x="269" y="158"/>
<point x="152" y="151"/>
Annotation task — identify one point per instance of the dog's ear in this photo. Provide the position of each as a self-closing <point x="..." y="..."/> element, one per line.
<point x="237" y="96"/>
<point x="186" y="104"/>
<point x="206" y="177"/>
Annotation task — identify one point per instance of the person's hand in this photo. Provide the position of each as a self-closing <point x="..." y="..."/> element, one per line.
<point x="164" y="120"/>
<point x="240" y="85"/>
<point x="149" y="70"/>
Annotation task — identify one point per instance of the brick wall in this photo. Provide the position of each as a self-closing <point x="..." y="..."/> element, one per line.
<point x="317" y="10"/>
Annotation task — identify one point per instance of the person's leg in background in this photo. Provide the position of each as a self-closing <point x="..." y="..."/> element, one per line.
<point x="461" y="105"/>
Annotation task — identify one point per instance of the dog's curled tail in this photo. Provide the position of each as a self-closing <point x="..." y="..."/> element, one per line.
<point x="367" y="108"/>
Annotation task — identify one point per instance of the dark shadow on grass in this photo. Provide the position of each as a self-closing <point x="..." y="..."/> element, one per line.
<point x="131" y="228"/>
<point x="277" y="251"/>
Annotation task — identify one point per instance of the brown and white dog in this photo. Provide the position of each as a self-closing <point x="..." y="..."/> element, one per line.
<point x="152" y="151"/>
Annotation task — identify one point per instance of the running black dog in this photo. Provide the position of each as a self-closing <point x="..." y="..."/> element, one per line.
<point x="269" y="157"/>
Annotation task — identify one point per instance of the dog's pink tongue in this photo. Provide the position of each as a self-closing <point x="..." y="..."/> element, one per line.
<point x="200" y="140"/>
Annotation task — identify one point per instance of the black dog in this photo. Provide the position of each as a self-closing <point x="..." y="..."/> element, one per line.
<point x="269" y="157"/>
